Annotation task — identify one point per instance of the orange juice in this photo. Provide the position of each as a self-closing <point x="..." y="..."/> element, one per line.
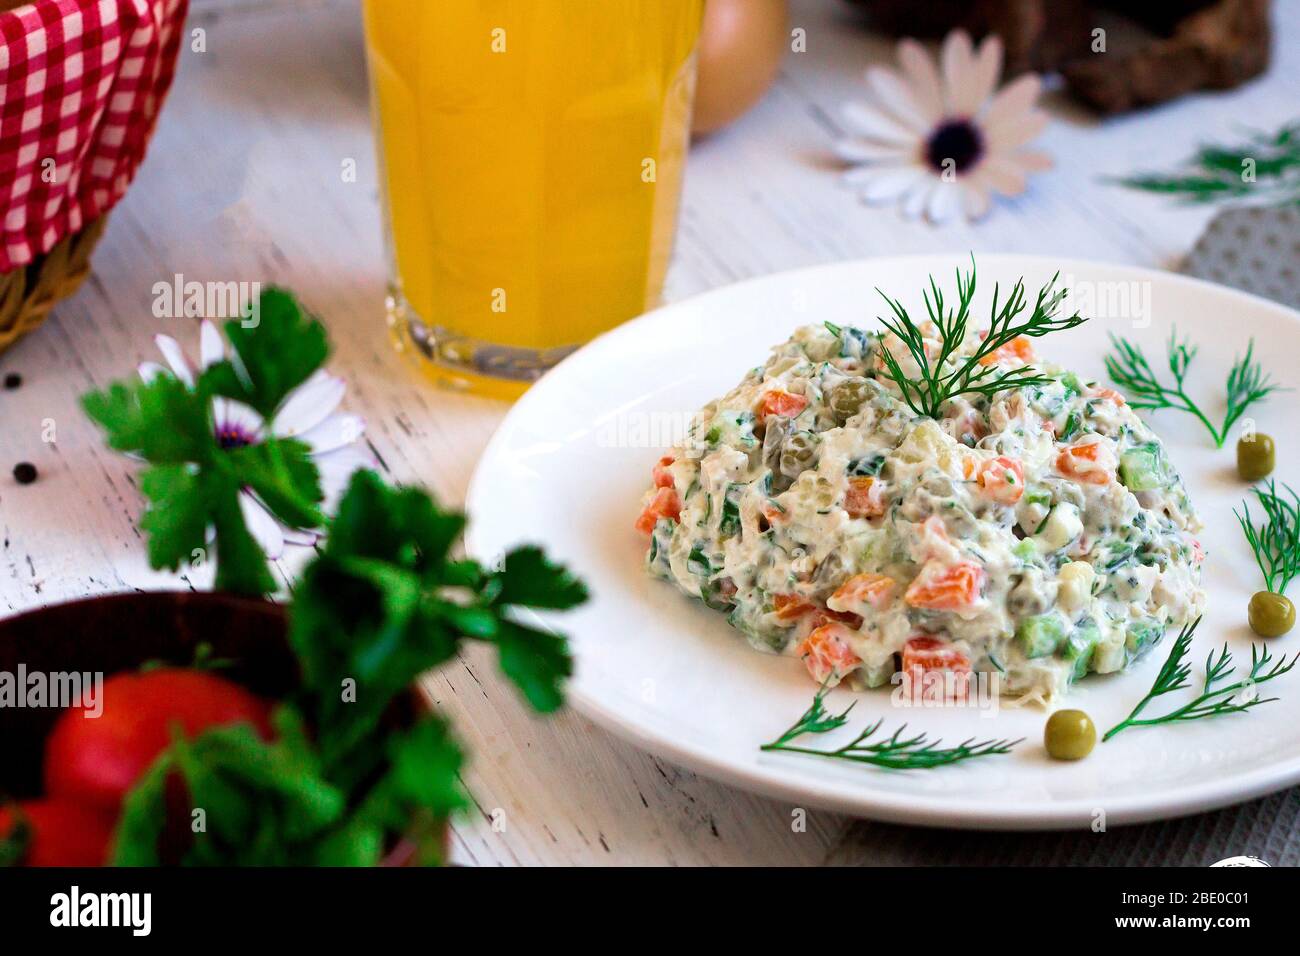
<point x="531" y="155"/>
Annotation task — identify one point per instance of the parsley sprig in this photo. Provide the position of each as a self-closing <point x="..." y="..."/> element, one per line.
<point x="1276" y="542"/>
<point x="193" y="480"/>
<point x="386" y="599"/>
<point x="1217" y="173"/>
<point x="945" y="376"/>
<point x="1216" y="697"/>
<point x="895" y="752"/>
<point x="1247" y="383"/>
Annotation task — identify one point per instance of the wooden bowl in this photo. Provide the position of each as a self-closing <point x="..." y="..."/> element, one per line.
<point x="122" y="632"/>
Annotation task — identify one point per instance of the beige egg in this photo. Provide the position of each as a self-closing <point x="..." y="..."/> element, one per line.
<point x="741" y="46"/>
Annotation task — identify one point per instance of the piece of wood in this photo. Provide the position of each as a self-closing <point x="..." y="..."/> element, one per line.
<point x="243" y="182"/>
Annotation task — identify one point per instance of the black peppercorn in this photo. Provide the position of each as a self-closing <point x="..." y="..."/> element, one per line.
<point x="24" y="473"/>
<point x="13" y="380"/>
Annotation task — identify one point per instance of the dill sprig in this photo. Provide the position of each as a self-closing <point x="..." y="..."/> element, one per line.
<point x="1276" y="542"/>
<point x="895" y="752"/>
<point x="1247" y="383"/>
<point x="1216" y="698"/>
<point x="1266" y="167"/>
<point x="944" y="377"/>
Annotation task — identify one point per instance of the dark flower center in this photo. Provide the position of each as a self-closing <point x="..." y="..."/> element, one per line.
<point x="230" y="437"/>
<point x="957" y="143"/>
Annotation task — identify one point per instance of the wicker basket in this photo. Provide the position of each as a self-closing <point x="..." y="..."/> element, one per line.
<point x="28" y="294"/>
<point x="125" y="56"/>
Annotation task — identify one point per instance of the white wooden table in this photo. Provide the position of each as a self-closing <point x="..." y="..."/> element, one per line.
<point x="243" y="182"/>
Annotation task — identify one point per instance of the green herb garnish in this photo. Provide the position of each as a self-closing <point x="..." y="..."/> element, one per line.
<point x="1216" y="697"/>
<point x="385" y="600"/>
<point x="1267" y="167"/>
<point x="946" y="376"/>
<point x="1247" y="382"/>
<point x="194" y="480"/>
<point x="895" y="752"/>
<point x="1276" y="542"/>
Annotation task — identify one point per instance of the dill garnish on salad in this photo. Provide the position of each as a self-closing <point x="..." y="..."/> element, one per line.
<point x="930" y="498"/>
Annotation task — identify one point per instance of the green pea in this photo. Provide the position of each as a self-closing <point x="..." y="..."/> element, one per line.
<point x="1271" y="615"/>
<point x="1255" y="457"/>
<point x="1069" y="735"/>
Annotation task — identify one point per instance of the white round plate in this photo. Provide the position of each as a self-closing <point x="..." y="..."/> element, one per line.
<point x="570" y="462"/>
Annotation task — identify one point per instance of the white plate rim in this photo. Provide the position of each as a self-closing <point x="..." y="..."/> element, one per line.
<point x="867" y="803"/>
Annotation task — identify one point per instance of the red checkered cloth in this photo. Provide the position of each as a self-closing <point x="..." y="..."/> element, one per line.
<point x="81" y="83"/>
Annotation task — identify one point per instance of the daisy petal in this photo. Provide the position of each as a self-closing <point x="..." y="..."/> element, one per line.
<point x="888" y="183"/>
<point x="895" y="98"/>
<point x="914" y="200"/>
<point x="1005" y="137"/>
<point x="862" y="151"/>
<point x="874" y="125"/>
<point x="336" y="468"/>
<point x="335" y="432"/>
<point x="150" y="371"/>
<point x="983" y="80"/>
<point x="175" y="357"/>
<point x="1003" y="175"/>
<point x="310" y="404"/>
<point x="1032" y="160"/>
<point x="266" y="531"/>
<point x="957" y="63"/>
<point x="923" y="78"/>
<point x="211" y="349"/>
<point x="1013" y="101"/>
<point x="975" y="200"/>
<point x="943" y="202"/>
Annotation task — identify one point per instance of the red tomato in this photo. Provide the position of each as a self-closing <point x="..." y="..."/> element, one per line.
<point x="825" y="652"/>
<point x="781" y="403"/>
<point x="948" y="588"/>
<point x="1003" y="480"/>
<point x="664" y="504"/>
<point x="63" y="832"/>
<point x="96" y="760"/>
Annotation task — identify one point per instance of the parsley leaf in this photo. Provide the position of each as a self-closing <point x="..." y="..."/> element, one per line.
<point x="194" y="483"/>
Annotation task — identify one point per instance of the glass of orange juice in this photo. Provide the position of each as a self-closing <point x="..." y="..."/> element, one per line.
<point x="531" y="155"/>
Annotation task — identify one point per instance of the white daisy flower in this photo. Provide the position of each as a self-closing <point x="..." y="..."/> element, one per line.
<point x="937" y="138"/>
<point x="307" y="414"/>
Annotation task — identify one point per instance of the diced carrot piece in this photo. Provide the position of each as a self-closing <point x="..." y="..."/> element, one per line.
<point x="865" y="497"/>
<point x="928" y="655"/>
<point x="862" y="591"/>
<point x="664" y="504"/>
<point x="1002" y="479"/>
<point x="826" y="653"/>
<point x="1100" y="391"/>
<point x="1090" y="463"/>
<point x="946" y="588"/>
<point x="790" y="607"/>
<point x="1019" y="351"/>
<point x="773" y="513"/>
<point x="662" y="476"/>
<point x="823" y="615"/>
<point x="781" y="403"/>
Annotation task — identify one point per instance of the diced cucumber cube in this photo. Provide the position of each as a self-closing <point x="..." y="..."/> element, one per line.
<point x="1042" y="635"/>
<point x="1139" y="468"/>
<point x="1143" y="634"/>
<point x="1079" y="647"/>
<point x="1071" y="383"/>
